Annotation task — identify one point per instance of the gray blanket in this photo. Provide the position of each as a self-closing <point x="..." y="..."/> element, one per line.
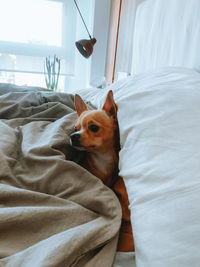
<point x="52" y="211"/>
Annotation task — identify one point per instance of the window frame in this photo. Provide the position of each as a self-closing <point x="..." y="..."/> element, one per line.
<point x="65" y="52"/>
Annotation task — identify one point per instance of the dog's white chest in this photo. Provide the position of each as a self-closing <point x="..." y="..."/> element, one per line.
<point x="102" y="161"/>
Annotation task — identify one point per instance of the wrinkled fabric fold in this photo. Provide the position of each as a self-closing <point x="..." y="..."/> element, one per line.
<point x="52" y="211"/>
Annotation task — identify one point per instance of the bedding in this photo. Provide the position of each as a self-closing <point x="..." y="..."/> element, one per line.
<point x="42" y="193"/>
<point x="53" y="212"/>
<point x="159" y="122"/>
<point x="166" y="33"/>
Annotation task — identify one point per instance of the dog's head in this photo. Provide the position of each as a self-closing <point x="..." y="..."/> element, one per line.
<point x="95" y="129"/>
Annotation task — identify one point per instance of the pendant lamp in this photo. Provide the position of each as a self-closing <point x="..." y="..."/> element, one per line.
<point x="85" y="46"/>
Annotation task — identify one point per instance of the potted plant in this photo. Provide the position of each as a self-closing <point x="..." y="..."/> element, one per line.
<point x="52" y="72"/>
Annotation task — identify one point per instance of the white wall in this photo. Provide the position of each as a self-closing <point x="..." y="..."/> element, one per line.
<point x="100" y="32"/>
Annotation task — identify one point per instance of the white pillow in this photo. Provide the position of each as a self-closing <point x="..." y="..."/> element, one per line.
<point x="159" y="119"/>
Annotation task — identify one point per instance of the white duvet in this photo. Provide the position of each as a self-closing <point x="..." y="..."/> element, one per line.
<point x="159" y="120"/>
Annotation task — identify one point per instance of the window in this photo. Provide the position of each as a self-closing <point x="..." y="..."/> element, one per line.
<point x="31" y="30"/>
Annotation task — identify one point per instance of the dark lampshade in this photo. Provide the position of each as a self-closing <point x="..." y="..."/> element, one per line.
<point x="85" y="47"/>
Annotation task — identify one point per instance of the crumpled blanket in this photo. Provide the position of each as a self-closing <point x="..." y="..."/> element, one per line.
<point x="53" y="212"/>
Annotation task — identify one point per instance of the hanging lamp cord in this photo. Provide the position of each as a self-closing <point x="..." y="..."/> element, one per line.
<point x="82" y="18"/>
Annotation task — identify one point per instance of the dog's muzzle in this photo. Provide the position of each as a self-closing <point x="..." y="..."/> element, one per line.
<point x="75" y="139"/>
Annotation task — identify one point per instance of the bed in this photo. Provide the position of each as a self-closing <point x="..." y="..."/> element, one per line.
<point x="55" y="213"/>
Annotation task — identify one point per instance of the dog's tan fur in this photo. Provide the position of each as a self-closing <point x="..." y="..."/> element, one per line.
<point x="97" y="133"/>
<point x="102" y="156"/>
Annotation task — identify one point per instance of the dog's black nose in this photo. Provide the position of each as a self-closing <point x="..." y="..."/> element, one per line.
<point x="75" y="138"/>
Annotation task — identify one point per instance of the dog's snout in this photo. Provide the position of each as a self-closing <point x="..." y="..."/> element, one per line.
<point x="75" y="138"/>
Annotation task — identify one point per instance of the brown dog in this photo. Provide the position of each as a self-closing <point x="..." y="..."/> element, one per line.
<point x="97" y="132"/>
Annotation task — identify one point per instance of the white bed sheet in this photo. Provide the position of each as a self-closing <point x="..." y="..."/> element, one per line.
<point x="167" y="33"/>
<point x="159" y="120"/>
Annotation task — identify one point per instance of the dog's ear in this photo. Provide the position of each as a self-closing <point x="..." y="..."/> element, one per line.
<point x="109" y="105"/>
<point x="79" y="104"/>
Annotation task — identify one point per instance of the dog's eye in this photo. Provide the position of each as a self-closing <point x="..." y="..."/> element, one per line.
<point x="93" y="128"/>
<point x="75" y="129"/>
